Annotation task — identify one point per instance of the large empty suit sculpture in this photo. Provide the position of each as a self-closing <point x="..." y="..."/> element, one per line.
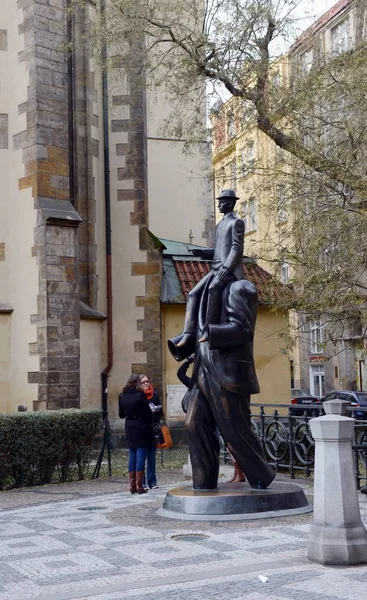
<point x="219" y="327"/>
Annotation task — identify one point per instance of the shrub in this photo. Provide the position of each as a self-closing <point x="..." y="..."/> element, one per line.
<point x="40" y="447"/>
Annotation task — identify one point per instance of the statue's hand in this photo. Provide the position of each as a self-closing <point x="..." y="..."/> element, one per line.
<point x="197" y="252"/>
<point x="224" y="274"/>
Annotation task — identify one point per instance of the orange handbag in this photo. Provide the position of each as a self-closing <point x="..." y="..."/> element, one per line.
<point x="167" y="438"/>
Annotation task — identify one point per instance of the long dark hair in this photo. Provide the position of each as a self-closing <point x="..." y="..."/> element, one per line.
<point x="133" y="383"/>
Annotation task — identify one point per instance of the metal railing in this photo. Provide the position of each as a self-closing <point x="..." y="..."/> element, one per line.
<point x="287" y="441"/>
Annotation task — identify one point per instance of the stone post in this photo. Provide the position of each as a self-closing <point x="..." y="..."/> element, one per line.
<point x="337" y="534"/>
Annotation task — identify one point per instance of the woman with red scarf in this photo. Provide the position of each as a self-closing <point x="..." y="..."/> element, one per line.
<point x="157" y="412"/>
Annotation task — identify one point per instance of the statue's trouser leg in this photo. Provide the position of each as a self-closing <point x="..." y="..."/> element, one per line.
<point x="203" y="441"/>
<point x="232" y="414"/>
<point x="214" y="307"/>
<point x="192" y="304"/>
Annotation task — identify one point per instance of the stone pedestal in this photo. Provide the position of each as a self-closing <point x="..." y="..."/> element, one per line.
<point x="234" y="502"/>
<point x="337" y="535"/>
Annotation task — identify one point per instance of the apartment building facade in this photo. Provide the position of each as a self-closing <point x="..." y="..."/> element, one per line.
<point x="246" y="159"/>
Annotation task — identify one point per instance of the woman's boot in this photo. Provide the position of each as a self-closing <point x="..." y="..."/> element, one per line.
<point x="132" y="481"/>
<point x="139" y="483"/>
<point x="238" y="475"/>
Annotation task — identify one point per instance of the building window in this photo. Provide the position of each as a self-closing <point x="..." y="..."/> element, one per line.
<point x="336" y="372"/>
<point x="230" y="125"/>
<point x="317" y="337"/>
<point x="284" y="273"/>
<point x="247" y="159"/>
<point x="250" y="215"/>
<point x="276" y="79"/>
<point x="306" y="60"/>
<point x="282" y="205"/>
<point x="233" y="174"/>
<point x="317" y="380"/>
<point x="247" y="111"/>
<point x="340" y="37"/>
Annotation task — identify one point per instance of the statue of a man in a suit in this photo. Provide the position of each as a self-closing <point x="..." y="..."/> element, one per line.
<point x="226" y="257"/>
<point x="219" y="326"/>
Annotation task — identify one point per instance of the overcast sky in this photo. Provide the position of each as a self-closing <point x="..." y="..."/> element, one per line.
<point x="306" y="13"/>
<point x="310" y="10"/>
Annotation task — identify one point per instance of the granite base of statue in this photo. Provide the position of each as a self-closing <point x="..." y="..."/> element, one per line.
<point x="219" y="329"/>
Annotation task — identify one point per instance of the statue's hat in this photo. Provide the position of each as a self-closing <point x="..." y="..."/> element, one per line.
<point x="228" y="194"/>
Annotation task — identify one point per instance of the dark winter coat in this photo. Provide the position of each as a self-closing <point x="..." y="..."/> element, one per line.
<point x="133" y="407"/>
<point x="157" y="414"/>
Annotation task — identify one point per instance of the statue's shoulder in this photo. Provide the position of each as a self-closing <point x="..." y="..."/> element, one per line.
<point x="237" y="223"/>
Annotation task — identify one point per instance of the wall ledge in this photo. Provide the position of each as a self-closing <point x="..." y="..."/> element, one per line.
<point x="5" y="309"/>
<point x="88" y="313"/>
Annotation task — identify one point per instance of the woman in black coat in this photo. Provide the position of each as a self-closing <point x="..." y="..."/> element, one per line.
<point x="134" y="407"/>
<point x="155" y="405"/>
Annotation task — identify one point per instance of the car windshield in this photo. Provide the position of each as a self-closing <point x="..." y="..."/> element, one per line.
<point x="296" y="393"/>
<point x="361" y="398"/>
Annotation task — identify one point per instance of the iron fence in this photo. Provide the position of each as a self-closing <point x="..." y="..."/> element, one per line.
<point x="285" y="437"/>
<point x="288" y="444"/>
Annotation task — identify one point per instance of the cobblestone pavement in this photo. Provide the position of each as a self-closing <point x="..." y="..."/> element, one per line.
<point x="114" y="546"/>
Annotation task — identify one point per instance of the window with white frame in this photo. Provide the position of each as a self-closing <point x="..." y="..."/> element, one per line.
<point x="282" y="205"/>
<point x="340" y="37"/>
<point x="230" y="125"/>
<point x="276" y="79"/>
<point x="233" y="174"/>
<point x="251" y="155"/>
<point x="247" y="158"/>
<point x="247" y="111"/>
<point x="250" y="215"/>
<point x="305" y="60"/>
<point x="317" y="336"/>
<point x="284" y="272"/>
<point x="317" y="380"/>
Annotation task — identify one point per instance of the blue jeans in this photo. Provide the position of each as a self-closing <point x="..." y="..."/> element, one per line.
<point x="137" y="458"/>
<point x="151" y="477"/>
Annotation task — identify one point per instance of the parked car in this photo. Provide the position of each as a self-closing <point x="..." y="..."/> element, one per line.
<point x="306" y="403"/>
<point x="355" y="398"/>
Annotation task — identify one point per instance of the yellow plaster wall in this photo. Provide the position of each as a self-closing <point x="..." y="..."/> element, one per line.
<point x="272" y="366"/>
<point x="19" y="270"/>
<point x="4" y="363"/>
<point x="91" y="363"/>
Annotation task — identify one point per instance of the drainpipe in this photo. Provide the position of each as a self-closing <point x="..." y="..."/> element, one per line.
<point x="107" y="369"/>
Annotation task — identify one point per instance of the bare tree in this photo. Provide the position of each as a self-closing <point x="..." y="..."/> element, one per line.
<point x="316" y="117"/>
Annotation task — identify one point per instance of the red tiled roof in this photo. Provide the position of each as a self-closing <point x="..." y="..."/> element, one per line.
<point x="269" y="290"/>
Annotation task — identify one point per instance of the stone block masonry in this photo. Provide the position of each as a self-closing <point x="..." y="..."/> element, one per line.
<point x="3" y="40"/>
<point x="4" y="132"/>
<point x="45" y="148"/>
<point x="129" y="130"/>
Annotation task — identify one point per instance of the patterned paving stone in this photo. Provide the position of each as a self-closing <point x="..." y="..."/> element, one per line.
<point x="59" y="552"/>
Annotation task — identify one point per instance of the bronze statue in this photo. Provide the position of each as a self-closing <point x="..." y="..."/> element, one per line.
<point x="219" y="327"/>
